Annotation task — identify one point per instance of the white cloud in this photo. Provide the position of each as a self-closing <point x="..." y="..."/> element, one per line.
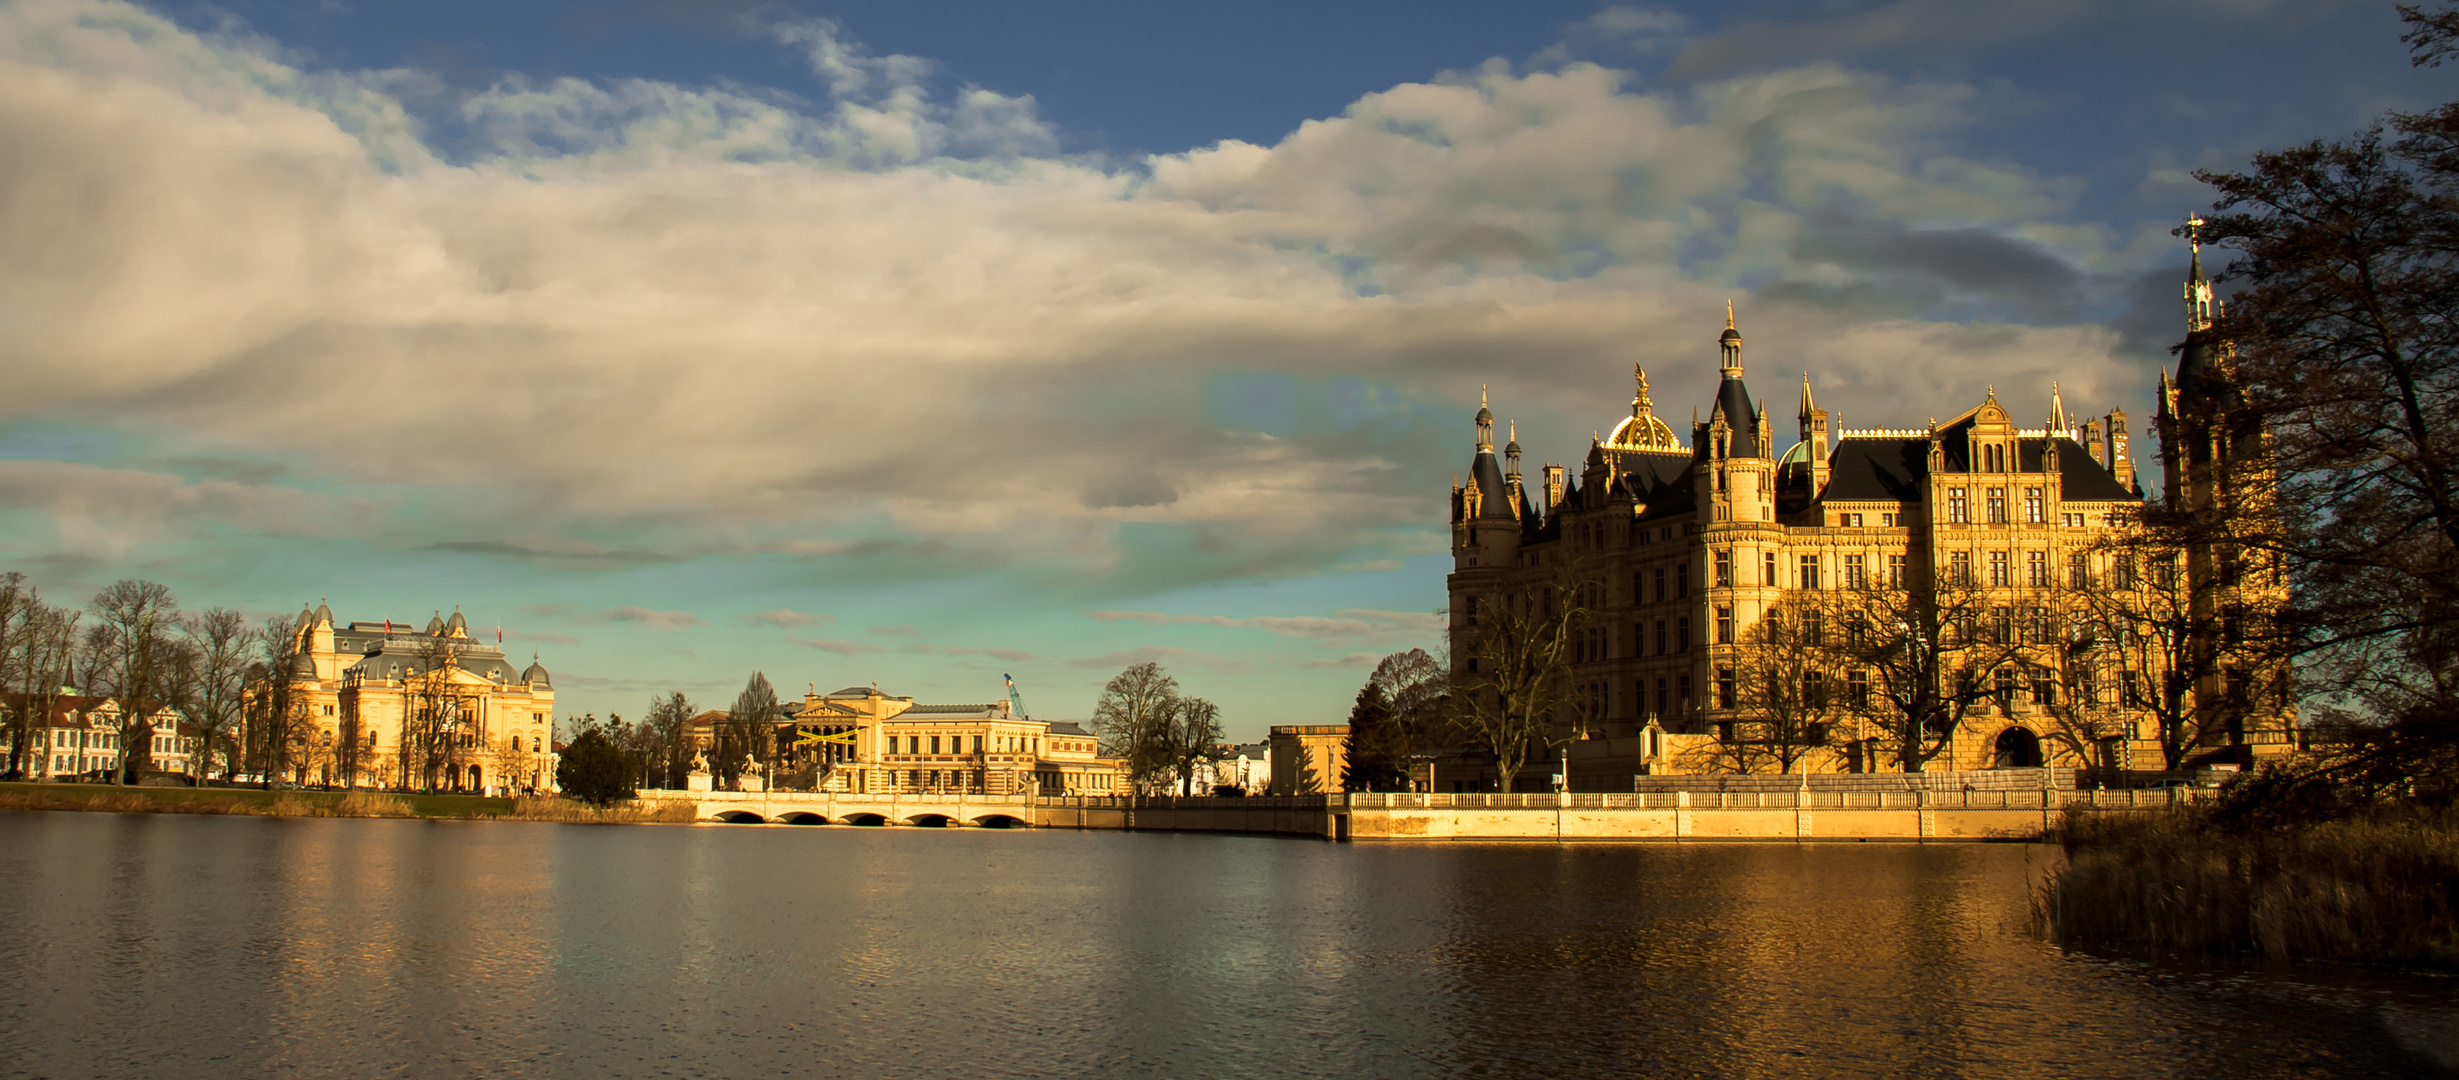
<point x="663" y="620"/>
<point x="1349" y="624"/>
<point x="782" y="618"/>
<point x="648" y="322"/>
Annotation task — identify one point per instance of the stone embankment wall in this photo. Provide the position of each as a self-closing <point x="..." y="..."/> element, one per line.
<point x="1794" y="814"/>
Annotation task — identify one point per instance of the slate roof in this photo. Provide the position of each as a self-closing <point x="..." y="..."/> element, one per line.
<point x="1894" y="469"/>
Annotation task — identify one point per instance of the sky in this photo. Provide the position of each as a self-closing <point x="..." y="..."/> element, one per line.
<point x="918" y="344"/>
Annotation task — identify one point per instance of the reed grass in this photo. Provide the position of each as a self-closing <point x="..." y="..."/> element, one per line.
<point x="633" y="812"/>
<point x="2376" y="887"/>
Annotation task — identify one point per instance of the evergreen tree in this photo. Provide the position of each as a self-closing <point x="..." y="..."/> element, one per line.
<point x="1376" y="761"/>
<point x="593" y="769"/>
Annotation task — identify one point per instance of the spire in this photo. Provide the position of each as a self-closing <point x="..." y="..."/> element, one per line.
<point x="1511" y="451"/>
<point x="1729" y="344"/>
<point x="2057" y="412"/>
<point x="1485" y="424"/>
<point x="1640" y="405"/>
<point x="2198" y="290"/>
<point x="1807" y="407"/>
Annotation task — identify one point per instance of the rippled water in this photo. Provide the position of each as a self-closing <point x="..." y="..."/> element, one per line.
<point x="199" y="946"/>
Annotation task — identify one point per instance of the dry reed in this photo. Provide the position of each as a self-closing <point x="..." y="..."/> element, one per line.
<point x="635" y="812"/>
<point x="2378" y="887"/>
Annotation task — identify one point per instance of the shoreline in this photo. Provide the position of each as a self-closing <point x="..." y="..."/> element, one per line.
<point x="308" y="802"/>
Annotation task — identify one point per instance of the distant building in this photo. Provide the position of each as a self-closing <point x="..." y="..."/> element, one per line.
<point x="869" y="742"/>
<point x="392" y="705"/>
<point x="1308" y="759"/>
<point x="80" y="736"/>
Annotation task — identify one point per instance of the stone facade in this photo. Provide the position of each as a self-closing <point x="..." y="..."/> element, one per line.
<point x="1681" y="551"/>
<point x="430" y="706"/>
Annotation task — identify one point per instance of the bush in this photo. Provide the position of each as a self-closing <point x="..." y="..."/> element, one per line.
<point x="593" y="770"/>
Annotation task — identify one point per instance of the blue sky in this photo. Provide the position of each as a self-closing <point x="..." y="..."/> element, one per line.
<point x="919" y="343"/>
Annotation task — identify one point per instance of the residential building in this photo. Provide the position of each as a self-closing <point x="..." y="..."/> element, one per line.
<point x="79" y="736"/>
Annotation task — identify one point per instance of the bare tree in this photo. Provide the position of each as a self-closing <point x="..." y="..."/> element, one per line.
<point x="133" y="620"/>
<point x="748" y="734"/>
<point x="437" y="722"/>
<point x="1133" y="720"/>
<point x="1917" y="660"/>
<point x="670" y="718"/>
<point x="275" y="721"/>
<point x="1516" y="688"/>
<point x="18" y="604"/>
<point x="1789" y="693"/>
<point x="2178" y="637"/>
<point x="1193" y="734"/>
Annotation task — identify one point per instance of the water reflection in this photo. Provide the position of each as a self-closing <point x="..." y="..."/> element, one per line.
<point x="146" y="946"/>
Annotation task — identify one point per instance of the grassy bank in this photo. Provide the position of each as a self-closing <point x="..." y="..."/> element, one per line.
<point x="298" y="803"/>
<point x="2374" y="888"/>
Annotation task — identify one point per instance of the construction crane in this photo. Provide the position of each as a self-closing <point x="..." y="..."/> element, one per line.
<point x="1016" y="701"/>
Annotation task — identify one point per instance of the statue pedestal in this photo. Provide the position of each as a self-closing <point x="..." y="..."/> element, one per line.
<point x="699" y="781"/>
<point x="754" y="783"/>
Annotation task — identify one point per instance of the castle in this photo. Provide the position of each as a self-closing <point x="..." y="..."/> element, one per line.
<point x="1680" y="551"/>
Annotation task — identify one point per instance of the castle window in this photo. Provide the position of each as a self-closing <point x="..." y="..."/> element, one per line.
<point x="1850" y="521"/>
<point x="1895" y="571"/>
<point x="1724" y="569"/>
<point x="1682" y="692"/>
<point x="2036" y="569"/>
<point x="1809" y="572"/>
<point x="2033" y="512"/>
<point x="1660" y="637"/>
<point x="1767" y="570"/>
<point x="1957" y="513"/>
<point x="1854" y="576"/>
<point x="1660" y="695"/>
<point x="1997" y="506"/>
<point x="1682" y="636"/>
<point x="2122" y="572"/>
<point x="2001" y="573"/>
<point x="2078" y="570"/>
<point x="1660" y="588"/>
<point x="1959" y="568"/>
<point x="2044" y="689"/>
<point x="1724" y="688"/>
<point x="1857" y="688"/>
<point x="1682" y="583"/>
<point x="1814" y="628"/>
<point x="2006" y="688"/>
<point x="1887" y="521"/>
<point x="2002" y="626"/>
<point x="1724" y="624"/>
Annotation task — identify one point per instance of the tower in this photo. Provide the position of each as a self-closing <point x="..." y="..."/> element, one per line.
<point x="1814" y="436"/>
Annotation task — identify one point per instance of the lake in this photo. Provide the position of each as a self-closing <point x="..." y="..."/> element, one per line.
<point x="172" y="945"/>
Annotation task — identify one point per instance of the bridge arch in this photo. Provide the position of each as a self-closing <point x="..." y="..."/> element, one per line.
<point x="802" y="817"/>
<point x="866" y="820"/>
<point x="931" y="821"/>
<point x="740" y="817"/>
<point x="1000" y="821"/>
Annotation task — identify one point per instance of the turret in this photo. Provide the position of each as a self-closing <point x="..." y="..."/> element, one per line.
<point x="1814" y="436"/>
<point x="1511" y="468"/>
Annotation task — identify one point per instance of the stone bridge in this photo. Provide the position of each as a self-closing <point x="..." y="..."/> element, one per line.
<point x="840" y="808"/>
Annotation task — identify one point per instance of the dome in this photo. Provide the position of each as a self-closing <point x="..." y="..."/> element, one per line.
<point x="1512" y="447"/>
<point x="1642" y="433"/>
<point x="1799" y="455"/>
<point x="1730" y="335"/>
<point x="457" y="626"/>
<point x="435" y="626"/>
<point x="304" y="665"/>
<point x="324" y="615"/>
<point x="1485" y="415"/>
<point x="536" y="674"/>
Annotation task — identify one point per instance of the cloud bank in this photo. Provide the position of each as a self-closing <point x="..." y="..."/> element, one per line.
<point x="611" y="324"/>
